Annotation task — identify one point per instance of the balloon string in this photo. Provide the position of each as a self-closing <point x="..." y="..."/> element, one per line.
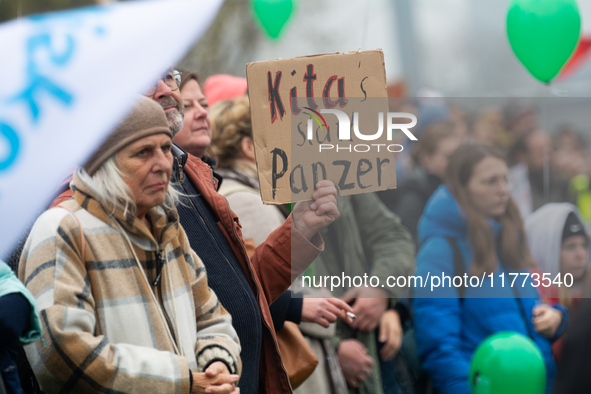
<point x="558" y="92"/>
<point x="365" y="25"/>
<point x="546" y="169"/>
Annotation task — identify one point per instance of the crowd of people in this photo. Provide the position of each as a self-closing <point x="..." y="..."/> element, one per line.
<point x="157" y="268"/>
<point x="510" y="199"/>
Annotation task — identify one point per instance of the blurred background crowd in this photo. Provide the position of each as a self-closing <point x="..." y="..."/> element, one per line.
<point x="545" y="147"/>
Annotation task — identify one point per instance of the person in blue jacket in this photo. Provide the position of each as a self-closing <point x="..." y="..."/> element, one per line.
<point x="19" y="325"/>
<point x="474" y="211"/>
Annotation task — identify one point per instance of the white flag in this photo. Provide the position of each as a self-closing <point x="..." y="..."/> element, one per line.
<point x="67" y="79"/>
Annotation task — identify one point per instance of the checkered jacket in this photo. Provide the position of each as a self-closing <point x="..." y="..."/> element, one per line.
<point x="110" y="326"/>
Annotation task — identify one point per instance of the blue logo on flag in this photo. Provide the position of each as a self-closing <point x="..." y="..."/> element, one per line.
<point x="40" y="86"/>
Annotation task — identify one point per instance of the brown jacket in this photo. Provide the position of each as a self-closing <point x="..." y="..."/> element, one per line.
<point x="269" y="271"/>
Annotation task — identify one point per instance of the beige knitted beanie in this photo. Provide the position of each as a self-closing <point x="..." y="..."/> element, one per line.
<point x="146" y="119"/>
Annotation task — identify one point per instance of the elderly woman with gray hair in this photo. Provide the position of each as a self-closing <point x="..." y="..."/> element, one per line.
<point x="124" y="301"/>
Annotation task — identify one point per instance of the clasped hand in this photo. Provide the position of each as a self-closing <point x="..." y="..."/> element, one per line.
<point x="216" y="379"/>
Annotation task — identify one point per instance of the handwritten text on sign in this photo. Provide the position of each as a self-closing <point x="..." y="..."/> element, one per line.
<point x="301" y="140"/>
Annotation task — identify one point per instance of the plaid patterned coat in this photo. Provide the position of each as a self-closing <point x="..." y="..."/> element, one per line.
<point x="275" y="264"/>
<point x="107" y="326"/>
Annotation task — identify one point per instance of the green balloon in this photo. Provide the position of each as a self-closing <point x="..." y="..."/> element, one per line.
<point x="507" y="363"/>
<point x="543" y="34"/>
<point x="272" y="14"/>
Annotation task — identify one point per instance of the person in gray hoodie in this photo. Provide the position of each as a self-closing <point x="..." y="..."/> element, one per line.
<point x="559" y="244"/>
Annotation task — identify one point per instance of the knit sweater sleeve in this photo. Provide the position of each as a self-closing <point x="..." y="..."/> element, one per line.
<point x="216" y="338"/>
<point x="72" y="355"/>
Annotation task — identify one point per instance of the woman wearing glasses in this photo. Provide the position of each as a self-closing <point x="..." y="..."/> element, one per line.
<point x="472" y="226"/>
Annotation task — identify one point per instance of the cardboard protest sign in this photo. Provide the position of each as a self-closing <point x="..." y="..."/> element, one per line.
<point x="316" y="118"/>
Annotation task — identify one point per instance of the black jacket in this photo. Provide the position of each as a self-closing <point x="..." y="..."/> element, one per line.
<point x="413" y="195"/>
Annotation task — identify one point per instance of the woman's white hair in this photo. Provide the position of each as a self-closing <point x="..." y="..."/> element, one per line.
<point x="112" y="191"/>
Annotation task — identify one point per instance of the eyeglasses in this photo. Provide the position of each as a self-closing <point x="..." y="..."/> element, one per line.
<point x="172" y="79"/>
